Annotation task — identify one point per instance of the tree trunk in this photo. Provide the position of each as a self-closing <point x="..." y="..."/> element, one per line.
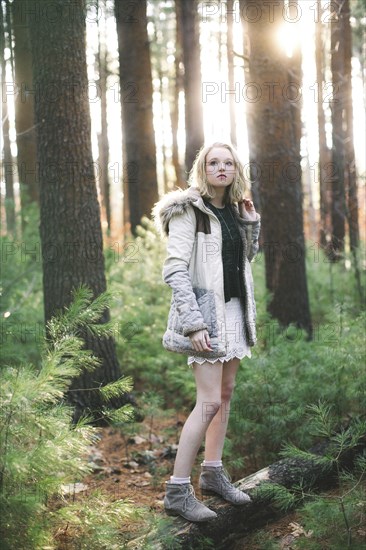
<point x="8" y="159"/>
<point x="177" y="86"/>
<point x="275" y="147"/>
<point x="234" y="522"/>
<point x="230" y="63"/>
<point x="137" y="115"/>
<point x="192" y="80"/>
<point x="163" y="143"/>
<point x="252" y="174"/>
<point x="324" y="152"/>
<point x="24" y="110"/>
<point x="70" y="228"/>
<point x="339" y="135"/>
<point x="350" y="163"/>
<point x="103" y="145"/>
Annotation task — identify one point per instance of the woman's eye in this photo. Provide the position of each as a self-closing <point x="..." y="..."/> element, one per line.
<point x="229" y="163"/>
<point x="213" y="163"/>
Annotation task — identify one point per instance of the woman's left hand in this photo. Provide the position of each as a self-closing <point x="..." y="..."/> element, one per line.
<point x="247" y="210"/>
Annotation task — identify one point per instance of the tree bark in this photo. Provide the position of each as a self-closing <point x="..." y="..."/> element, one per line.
<point x="252" y="174"/>
<point x="192" y="80"/>
<point x="103" y="145"/>
<point x="177" y="86"/>
<point x="234" y="522"/>
<point x="274" y="112"/>
<point x="163" y="141"/>
<point x="230" y="63"/>
<point x="338" y="130"/>
<point x="350" y="162"/>
<point x="137" y="115"/>
<point x="70" y="228"/>
<point x="8" y="159"/>
<point x="24" y="110"/>
<point x="324" y="152"/>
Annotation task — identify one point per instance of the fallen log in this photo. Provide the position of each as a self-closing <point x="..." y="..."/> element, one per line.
<point x="234" y="522"/>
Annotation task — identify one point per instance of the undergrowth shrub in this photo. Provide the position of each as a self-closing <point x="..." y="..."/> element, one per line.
<point x="334" y="519"/>
<point x="22" y="318"/>
<point x="287" y="372"/>
<point x="41" y="451"/>
<point x="274" y="388"/>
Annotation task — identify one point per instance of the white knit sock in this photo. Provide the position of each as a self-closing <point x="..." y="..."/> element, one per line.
<point x="180" y="479"/>
<point x="215" y="463"/>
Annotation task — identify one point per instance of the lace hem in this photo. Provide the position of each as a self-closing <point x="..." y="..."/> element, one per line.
<point x="238" y="353"/>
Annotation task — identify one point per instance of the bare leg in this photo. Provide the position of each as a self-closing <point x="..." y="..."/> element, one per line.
<point x="208" y="385"/>
<point x="216" y="432"/>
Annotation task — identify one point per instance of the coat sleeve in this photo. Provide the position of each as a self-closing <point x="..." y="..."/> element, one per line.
<point x="252" y="229"/>
<point x="181" y="238"/>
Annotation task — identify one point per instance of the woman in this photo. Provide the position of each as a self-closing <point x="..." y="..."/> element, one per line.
<point x="212" y="236"/>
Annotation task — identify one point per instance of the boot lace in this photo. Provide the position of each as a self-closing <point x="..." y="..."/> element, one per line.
<point x="226" y="473"/>
<point x="225" y="481"/>
<point x="190" y="496"/>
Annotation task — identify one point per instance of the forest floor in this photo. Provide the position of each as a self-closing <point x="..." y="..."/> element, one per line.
<point x="135" y="467"/>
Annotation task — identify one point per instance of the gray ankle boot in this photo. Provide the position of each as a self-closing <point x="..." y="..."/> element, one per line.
<point x="180" y="500"/>
<point x="216" y="481"/>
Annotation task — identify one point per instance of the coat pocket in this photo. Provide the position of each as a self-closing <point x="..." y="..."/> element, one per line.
<point x="206" y="303"/>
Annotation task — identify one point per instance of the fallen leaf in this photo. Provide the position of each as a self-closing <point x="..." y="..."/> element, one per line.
<point x="298" y="530"/>
<point x="138" y="439"/>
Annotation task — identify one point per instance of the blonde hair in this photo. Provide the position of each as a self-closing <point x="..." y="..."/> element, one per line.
<point x="197" y="176"/>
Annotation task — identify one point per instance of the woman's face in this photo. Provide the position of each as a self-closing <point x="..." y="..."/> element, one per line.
<point x="220" y="167"/>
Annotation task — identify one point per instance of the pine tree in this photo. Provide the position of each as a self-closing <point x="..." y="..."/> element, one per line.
<point x="70" y="226"/>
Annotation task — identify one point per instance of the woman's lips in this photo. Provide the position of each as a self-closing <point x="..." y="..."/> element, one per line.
<point x="222" y="176"/>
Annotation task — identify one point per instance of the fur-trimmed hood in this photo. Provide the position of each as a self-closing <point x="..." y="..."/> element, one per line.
<point x="173" y="203"/>
<point x="177" y="201"/>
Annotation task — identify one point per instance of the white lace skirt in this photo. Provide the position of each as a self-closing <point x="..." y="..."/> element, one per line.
<point x="235" y="335"/>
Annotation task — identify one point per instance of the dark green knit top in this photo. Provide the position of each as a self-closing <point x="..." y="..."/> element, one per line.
<point x="232" y="251"/>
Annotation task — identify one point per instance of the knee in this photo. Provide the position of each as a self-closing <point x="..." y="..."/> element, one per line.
<point x="209" y="409"/>
<point x="227" y="391"/>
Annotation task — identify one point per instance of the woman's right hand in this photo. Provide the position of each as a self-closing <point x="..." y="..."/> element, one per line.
<point x="200" y="340"/>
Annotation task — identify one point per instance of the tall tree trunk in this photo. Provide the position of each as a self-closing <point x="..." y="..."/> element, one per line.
<point x="350" y="162"/>
<point x="177" y="86"/>
<point x="230" y="63"/>
<point x="8" y="159"/>
<point x="310" y="220"/>
<point x="338" y="130"/>
<point x="163" y="144"/>
<point x="103" y="144"/>
<point x="249" y="96"/>
<point x="324" y="152"/>
<point x="71" y="236"/>
<point x="137" y="114"/>
<point x="24" y="110"/>
<point x="192" y="80"/>
<point x="275" y="146"/>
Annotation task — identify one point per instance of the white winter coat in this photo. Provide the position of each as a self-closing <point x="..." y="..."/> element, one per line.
<point x="193" y="269"/>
